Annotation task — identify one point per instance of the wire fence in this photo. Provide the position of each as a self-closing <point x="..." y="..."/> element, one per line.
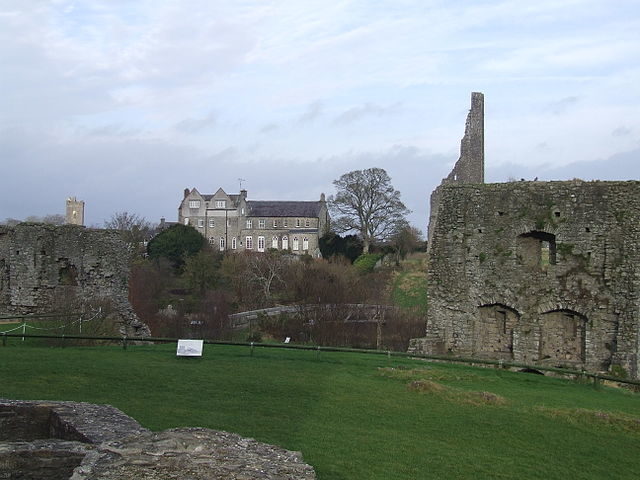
<point x="23" y="325"/>
<point x="125" y="341"/>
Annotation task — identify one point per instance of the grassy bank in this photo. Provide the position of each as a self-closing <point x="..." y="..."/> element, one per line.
<point x="353" y="416"/>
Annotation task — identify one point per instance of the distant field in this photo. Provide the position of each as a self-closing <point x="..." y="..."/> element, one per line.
<point x="353" y="416"/>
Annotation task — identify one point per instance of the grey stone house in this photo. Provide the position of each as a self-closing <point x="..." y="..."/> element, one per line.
<point x="231" y="222"/>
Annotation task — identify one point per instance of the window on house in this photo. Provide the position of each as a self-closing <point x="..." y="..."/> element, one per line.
<point x="234" y="243"/>
<point x="186" y="220"/>
<point x="200" y="223"/>
<point x="275" y="223"/>
<point x="305" y="243"/>
<point x="194" y="203"/>
<point x="242" y="211"/>
<point x="261" y="223"/>
<point x="274" y="242"/>
<point x="285" y="243"/>
<point x="249" y="223"/>
<point x="285" y="223"/>
<point x="249" y="243"/>
<point x="261" y="244"/>
<point x="296" y="244"/>
<point x="212" y="223"/>
<point x="307" y="222"/>
<point x="223" y="243"/>
<point x="212" y="240"/>
<point x="221" y="203"/>
<point x="297" y="222"/>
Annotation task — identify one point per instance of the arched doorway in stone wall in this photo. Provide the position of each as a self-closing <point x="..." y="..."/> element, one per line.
<point x="493" y="331"/>
<point x="562" y="337"/>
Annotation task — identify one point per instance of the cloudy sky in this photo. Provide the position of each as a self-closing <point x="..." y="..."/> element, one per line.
<point x="125" y="103"/>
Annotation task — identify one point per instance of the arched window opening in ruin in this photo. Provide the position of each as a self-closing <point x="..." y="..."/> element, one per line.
<point x="537" y="249"/>
<point x="493" y="331"/>
<point x="562" y="338"/>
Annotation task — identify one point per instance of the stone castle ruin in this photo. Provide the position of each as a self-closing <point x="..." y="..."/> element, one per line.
<point x="42" y="265"/>
<point x="543" y="273"/>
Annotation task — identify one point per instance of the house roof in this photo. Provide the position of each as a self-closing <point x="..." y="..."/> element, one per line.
<point x="283" y="209"/>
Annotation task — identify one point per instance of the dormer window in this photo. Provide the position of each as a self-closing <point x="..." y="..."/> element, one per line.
<point x="194" y="203"/>
<point x="221" y="203"/>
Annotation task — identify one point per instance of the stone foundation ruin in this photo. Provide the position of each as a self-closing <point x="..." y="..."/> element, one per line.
<point x="543" y="273"/>
<point x="41" y="264"/>
<point x="81" y="441"/>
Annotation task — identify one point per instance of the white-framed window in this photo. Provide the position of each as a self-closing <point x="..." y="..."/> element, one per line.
<point x="200" y="223"/>
<point x="296" y="243"/>
<point x="249" y="223"/>
<point x="186" y="220"/>
<point x="223" y="243"/>
<point x="194" y="203"/>
<point x="285" y="242"/>
<point x="249" y="242"/>
<point x="234" y="243"/>
<point x="212" y="223"/>
<point x="212" y="240"/>
<point x="305" y="243"/>
<point x="297" y="222"/>
<point x="261" y="223"/>
<point x="275" y="223"/>
<point x="307" y="222"/>
<point x="221" y="203"/>
<point x="285" y="223"/>
<point x="274" y="242"/>
<point x="242" y="211"/>
<point x="261" y="244"/>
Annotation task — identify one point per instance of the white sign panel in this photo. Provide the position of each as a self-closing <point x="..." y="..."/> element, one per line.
<point x="189" y="348"/>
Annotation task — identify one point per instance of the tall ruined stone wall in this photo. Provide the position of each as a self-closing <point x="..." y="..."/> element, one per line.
<point x="470" y="166"/>
<point x="537" y="272"/>
<point x="41" y="263"/>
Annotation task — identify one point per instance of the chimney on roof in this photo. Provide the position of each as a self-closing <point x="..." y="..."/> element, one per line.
<point x="243" y="193"/>
<point x="186" y="192"/>
<point x="322" y="199"/>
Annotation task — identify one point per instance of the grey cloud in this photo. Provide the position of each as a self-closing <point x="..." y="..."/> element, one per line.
<point x="271" y="127"/>
<point x="194" y="125"/>
<point x="621" y="131"/>
<point x="366" y="110"/>
<point x="626" y="166"/>
<point x="313" y="111"/>
<point x="562" y="105"/>
<point x="111" y="130"/>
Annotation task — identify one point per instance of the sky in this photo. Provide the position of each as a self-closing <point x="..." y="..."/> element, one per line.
<point x="125" y="103"/>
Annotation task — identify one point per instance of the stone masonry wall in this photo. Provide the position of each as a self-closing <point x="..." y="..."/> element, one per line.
<point x="82" y="441"/>
<point x="537" y="272"/>
<point x="470" y="166"/>
<point x="39" y="263"/>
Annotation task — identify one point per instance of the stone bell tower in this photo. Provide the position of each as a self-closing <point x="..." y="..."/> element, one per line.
<point x="75" y="212"/>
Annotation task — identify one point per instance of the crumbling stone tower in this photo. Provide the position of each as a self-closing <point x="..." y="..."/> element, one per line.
<point x="470" y="166"/>
<point x="541" y="273"/>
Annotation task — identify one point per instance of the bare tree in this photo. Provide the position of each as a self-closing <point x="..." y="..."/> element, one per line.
<point x="266" y="270"/>
<point x="367" y="203"/>
<point x="406" y="240"/>
<point x="135" y="229"/>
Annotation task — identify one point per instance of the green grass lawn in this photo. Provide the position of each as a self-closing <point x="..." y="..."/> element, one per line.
<point x="353" y="416"/>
